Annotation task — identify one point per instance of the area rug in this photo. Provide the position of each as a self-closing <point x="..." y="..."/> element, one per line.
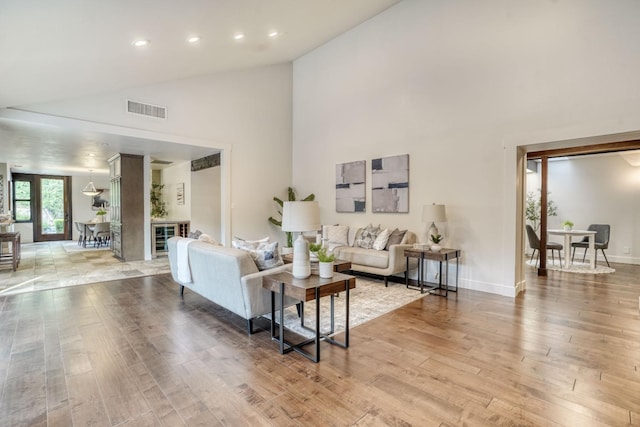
<point x="367" y="301"/>
<point x="52" y="265"/>
<point x="576" y="267"/>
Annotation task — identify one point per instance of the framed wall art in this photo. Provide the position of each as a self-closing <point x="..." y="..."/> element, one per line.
<point x="390" y="184"/>
<point x="350" y="187"/>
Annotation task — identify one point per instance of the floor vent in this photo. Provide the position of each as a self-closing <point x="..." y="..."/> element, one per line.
<point x="148" y="110"/>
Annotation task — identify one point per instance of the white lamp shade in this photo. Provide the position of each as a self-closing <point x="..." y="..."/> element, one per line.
<point x="433" y="213"/>
<point x="300" y="216"/>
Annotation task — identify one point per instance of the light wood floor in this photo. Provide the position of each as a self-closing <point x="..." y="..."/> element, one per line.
<point x="131" y="353"/>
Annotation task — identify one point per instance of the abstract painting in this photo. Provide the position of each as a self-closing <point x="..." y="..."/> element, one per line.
<point x="100" y="200"/>
<point x="390" y="184"/>
<point x="350" y="187"/>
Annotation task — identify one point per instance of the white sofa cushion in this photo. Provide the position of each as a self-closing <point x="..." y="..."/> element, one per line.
<point x="361" y="256"/>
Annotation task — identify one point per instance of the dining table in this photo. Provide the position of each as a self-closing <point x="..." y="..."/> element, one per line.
<point x="568" y="234"/>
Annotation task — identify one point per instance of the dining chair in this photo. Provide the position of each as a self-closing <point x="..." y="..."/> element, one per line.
<point x="534" y="243"/>
<point x="81" y="236"/>
<point x="101" y="234"/>
<point x="601" y="242"/>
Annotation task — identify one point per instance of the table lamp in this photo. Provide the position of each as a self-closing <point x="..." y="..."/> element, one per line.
<point x="300" y="217"/>
<point x="431" y="214"/>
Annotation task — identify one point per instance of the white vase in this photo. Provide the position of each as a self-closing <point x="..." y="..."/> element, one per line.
<point x="567" y="227"/>
<point x="313" y="256"/>
<point x="436" y="247"/>
<point x="325" y="270"/>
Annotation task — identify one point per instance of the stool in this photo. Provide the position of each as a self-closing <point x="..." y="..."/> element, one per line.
<point x="13" y="256"/>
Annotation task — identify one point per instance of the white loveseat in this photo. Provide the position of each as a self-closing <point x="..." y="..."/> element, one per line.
<point x="384" y="262"/>
<point x="226" y="276"/>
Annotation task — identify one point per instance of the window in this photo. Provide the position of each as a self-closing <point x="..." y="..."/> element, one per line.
<point x="23" y="200"/>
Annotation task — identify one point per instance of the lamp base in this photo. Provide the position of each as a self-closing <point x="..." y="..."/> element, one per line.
<point x="301" y="264"/>
<point x="433" y="231"/>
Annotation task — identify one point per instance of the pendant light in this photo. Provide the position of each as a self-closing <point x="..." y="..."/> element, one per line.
<point x="90" y="189"/>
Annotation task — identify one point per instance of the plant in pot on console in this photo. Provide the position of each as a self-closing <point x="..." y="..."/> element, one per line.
<point x="291" y="194"/>
<point x="313" y="251"/>
<point x="325" y="263"/>
<point x="101" y="213"/>
<point x="436" y="239"/>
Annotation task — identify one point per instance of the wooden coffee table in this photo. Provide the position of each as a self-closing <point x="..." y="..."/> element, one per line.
<point x="311" y="288"/>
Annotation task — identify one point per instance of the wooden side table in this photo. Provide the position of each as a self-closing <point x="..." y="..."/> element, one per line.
<point x="424" y="255"/>
<point x="311" y="288"/>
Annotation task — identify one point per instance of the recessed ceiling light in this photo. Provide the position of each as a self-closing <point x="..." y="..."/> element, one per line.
<point x="238" y="36"/>
<point x="140" y="43"/>
<point x="274" y="34"/>
<point x="193" y="39"/>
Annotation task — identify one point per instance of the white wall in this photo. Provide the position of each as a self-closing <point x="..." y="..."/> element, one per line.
<point x="597" y="190"/>
<point x="247" y="111"/>
<point x="205" y="201"/>
<point x="171" y="176"/>
<point x="459" y="86"/>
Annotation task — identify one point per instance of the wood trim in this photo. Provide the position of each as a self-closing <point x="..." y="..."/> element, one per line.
<point x="586" y="149"/>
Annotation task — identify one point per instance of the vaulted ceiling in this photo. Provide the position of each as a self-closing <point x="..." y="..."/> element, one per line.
<point x="61" y="49"/>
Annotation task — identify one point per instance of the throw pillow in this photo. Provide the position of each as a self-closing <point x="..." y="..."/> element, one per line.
<point x="381" y="240"/>
<point x="336" y="235"/>
<point x="368" y="236"/>
<point x="208" y="239"/>
<point x="395" y="238"/>
<point x="194" y="234"/>
<point x="237" y="242"/>
<point x="264" y="254"/>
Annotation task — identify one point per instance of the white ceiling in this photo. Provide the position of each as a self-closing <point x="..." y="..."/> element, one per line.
<point x="58" y="49"/>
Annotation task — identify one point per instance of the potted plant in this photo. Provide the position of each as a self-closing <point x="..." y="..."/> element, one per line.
<point x="291" y="194"/>
<point x="436" y="239"/>
<point x="534" y="207"/>
<point x="325" y="264"/>
<point x="313" y="251"/>
<point x="158" y="207"/>
<point x="101" y="213"/>
<point x="567" y="225"/>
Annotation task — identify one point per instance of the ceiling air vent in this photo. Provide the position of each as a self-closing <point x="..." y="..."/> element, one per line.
<point x="148" y="110"/>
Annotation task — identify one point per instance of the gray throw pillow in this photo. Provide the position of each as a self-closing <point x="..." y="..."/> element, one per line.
<point x="395" y="238"/>
<point x="367" y="237"/>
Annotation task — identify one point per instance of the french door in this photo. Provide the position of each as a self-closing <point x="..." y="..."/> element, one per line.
<point x="45" y="201"/>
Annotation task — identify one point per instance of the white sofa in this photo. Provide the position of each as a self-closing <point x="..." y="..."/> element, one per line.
<point x="226" y="276"/>
<point x="386" y="262"/>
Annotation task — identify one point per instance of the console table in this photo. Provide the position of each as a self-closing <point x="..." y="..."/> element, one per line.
<point x="311" y="288"/>
<point x="443" y="256"/>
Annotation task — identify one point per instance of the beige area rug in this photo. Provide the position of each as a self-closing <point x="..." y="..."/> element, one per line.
<point x="370" y="299"/>
<point x="51" y="265"/>
<point x="576" y="267"/>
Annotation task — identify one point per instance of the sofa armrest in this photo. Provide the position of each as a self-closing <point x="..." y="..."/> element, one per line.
<point x="397" y="259"/>
<point x="257" y="300"/>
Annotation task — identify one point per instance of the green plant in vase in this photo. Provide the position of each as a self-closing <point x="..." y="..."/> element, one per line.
<point x="567" y="225"/>
<point x="101" y="213"/>
<point x="436" y="239"/>
<point x="291" y="195"/>
<point x="313" y="250"/>
<point x="323" y="256"/>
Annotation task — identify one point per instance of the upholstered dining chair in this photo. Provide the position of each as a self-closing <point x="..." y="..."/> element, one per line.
<point x="101" y="234"/>
<point x="81" y="236"/>
<point x="601" y="242"/>
<point x="534" y="243"/>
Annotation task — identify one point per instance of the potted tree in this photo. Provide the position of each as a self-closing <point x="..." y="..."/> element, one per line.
<point x="291" y="194"/>
<point x="325" y="264"/>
